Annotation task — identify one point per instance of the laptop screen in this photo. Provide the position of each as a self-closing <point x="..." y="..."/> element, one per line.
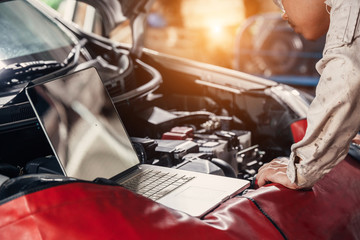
<point x="83" y="126"/>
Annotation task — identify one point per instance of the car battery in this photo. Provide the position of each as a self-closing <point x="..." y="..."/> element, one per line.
<point x="219" y="149"/>
<point x="236" y="138"/>
<point x="163" y="152"/>
<point x="225" y="145"/>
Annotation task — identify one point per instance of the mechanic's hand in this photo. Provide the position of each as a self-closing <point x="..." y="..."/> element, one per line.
<point x="275" y="172"/>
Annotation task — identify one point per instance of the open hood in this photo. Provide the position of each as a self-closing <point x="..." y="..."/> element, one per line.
<point x="115" y="12"/>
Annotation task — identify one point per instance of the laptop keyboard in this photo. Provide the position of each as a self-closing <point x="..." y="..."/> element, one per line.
<point x="155" y="184"/>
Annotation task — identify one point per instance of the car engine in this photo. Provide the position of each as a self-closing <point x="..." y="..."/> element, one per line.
<point x="174" y="116"/>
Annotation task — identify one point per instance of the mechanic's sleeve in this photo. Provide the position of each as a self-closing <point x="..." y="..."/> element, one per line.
<point x="334" y="115"/>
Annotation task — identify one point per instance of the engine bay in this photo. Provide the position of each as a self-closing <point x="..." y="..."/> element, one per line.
<point x="186" y="124"/>
<point x="180" y="120"/>
<point x="197" y="140"/>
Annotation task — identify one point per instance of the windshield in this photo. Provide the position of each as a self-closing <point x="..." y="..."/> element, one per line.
<point x="29" y="40"/>
<point x="25" y="31"/>
<point x="28" y="35"/>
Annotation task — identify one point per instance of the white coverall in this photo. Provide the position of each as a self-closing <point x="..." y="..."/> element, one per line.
<point x="334" y="115"/>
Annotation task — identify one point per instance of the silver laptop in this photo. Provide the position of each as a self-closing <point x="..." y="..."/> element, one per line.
<point x="89" y="140"/>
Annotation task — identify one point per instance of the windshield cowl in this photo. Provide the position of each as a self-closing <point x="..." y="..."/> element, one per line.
<point x="21" y="73"/>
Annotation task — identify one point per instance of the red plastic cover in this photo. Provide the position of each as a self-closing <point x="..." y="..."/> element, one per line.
<point x="92" y="211"/>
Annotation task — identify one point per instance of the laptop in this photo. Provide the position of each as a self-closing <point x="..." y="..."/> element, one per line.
<point x="89" y="140"/>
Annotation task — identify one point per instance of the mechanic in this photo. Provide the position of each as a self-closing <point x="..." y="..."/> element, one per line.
<point x="334" y="115"/>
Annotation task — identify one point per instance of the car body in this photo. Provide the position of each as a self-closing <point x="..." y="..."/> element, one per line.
<point x="237" y="122"/>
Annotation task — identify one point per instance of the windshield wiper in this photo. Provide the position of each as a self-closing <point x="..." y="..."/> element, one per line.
<point x="21" y="73"/>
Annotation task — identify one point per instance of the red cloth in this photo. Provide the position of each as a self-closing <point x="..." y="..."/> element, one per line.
<point x="92" y="211"/>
